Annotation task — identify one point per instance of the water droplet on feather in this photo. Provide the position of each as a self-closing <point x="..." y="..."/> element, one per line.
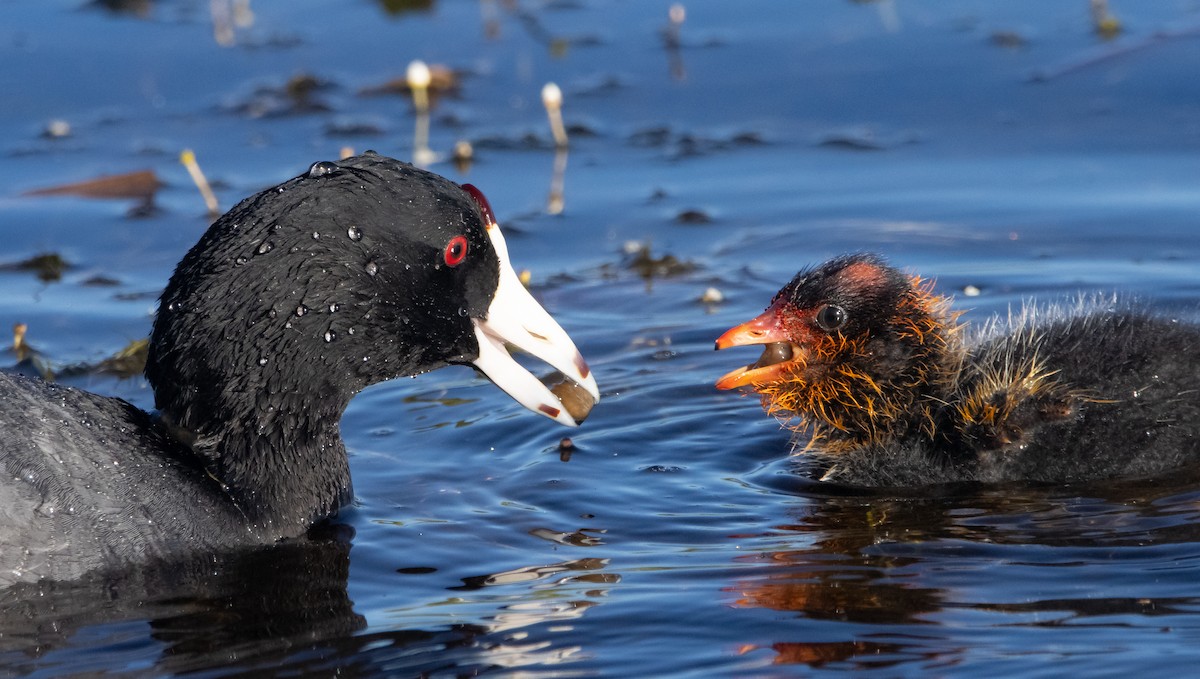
<point x="322" y="168"/>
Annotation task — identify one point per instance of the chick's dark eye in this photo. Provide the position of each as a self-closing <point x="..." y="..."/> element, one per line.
<point x="456" y="251"/>
<point x="831" y="317"/>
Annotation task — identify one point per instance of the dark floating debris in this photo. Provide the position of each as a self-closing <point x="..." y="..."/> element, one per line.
<point x="141" y="184"/>
<point x="144" y="209"/>
<point x="1008" y="39"/>
<point x="579" y="129"/>
<point x="651" y="137"/>
<point x="129" y="362"/>
<point x="693" y="216"/>
<point x="301" y="87"/>
<point x="641" y="261"/>
<point x="598" y="86"/>
<point x="48" y="266"/>
<point x="126" y="363"/>
<point x="688" y="144"/>
<point x="100" y="281"/>
<point x="398" y="7"/>
<point x="566" y="448"/>
<point x="139" y="8"/>
<point x="532" y="141"/>
<point x="298" y="96"/>
<point x="354" y="128"/>
<point x="523" y="142"/>
<point x="137" y="296"/>
<point x="863" y="140"/>
<point x="747" y="139"/>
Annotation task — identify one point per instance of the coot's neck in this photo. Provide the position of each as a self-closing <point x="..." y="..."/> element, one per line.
<point x="244" y="363"/>
<point x="277" y="454"/>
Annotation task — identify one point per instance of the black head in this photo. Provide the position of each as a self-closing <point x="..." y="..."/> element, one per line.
<point x="352" y="273"/>
<point x="850" y="345"/>
<point x="826" y="314"/>
<point x="852" y="295"/>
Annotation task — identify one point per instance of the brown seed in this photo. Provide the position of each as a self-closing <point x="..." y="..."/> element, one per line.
<point x="575" y="399"/>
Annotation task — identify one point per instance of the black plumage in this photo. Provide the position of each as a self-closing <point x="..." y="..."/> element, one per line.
<point x="885" y="388"/>
<point x="299" y="297"/>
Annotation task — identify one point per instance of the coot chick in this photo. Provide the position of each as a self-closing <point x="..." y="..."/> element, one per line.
<point x="885" y="388"/>
<point x="353" y="273"/>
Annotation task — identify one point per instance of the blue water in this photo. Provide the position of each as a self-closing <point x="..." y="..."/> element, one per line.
<point x="675" y="541"/>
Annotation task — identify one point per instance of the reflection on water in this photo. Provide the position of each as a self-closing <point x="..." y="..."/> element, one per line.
<point x="201" y="613"/>
<point x="254" y="610"/>
<point x="895" y="572"/>
<point x="556" y="202"/>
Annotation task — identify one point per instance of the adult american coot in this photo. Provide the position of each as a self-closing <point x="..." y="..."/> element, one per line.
<point x="886" y="389"/>
<point x="299" y="297"/>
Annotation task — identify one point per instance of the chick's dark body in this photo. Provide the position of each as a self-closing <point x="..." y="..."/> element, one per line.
<point x="899" y="395"/>
<point x="1135" y="411"/>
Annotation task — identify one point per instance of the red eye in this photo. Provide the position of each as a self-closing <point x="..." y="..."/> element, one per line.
<point x="456" y="251"/>
<point x="485" y="209"/>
